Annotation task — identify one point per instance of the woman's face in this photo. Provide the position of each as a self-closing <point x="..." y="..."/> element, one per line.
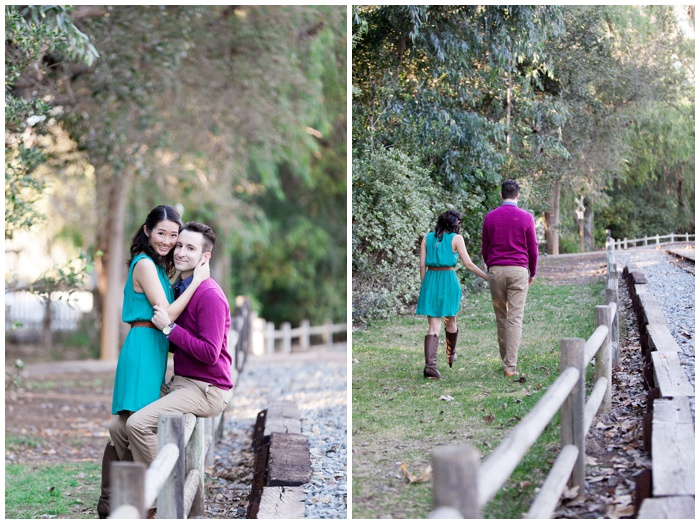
<point x="163" y="237"/>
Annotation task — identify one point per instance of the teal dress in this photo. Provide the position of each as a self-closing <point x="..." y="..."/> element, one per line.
<point x="144" y="355"/>
<point x="440" y="292"/>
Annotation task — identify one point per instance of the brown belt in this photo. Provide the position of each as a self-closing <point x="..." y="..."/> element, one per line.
<point x="441" y="268"/>
<point x="144" y="323"/>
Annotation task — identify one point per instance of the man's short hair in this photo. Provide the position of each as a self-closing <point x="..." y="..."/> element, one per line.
<point x="510" y="189"/>
<point x="206" y="231"/>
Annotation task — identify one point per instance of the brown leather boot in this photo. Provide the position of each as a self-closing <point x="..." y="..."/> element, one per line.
<point x="431" y="346"/>
<point x="451" y="346"/>
<point x="110" y="455"/>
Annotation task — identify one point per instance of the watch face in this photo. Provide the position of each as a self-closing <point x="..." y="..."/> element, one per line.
<point x="167" y="330"/>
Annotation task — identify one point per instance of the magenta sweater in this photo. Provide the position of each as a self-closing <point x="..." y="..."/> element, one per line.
<point x="508" y="238"/>
<point x="200" y="338"/>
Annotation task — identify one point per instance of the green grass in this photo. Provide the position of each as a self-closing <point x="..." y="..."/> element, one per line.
<point x="398" y="415"/>
<point x="48" y="491"/>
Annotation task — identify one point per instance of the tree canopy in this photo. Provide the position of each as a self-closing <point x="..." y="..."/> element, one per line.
<point x="235" y="113"/>
<point x="560" y="98"/>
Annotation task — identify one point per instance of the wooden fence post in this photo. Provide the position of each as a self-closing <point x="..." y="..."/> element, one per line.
<point x="270" y="338"/>
<point x="127" y="486"/>
<point x="603" y="358"/>
<point x="171" y="502"/>
<point x="194" y="459"/>
<point x="573" y="409"/>
<point x="305" y="337"/>
<point x="328" y="335"/>
<point x="456" y="479"/>
<point x="286" y="337"/>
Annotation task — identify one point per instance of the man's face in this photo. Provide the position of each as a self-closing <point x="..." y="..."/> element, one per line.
<point x="188" y="250"/>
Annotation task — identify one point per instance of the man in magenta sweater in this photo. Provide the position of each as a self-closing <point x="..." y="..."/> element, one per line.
<point x="198" y="341"/>
<point x="509" y="248"/>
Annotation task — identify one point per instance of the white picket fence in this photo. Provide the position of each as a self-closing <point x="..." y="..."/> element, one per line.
<point x="625" y="243"/>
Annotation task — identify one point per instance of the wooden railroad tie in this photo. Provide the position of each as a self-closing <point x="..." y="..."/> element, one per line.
<point x="282" y="464"/>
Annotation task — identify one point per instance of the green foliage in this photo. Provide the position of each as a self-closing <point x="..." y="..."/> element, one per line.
<point x="31" y="34"/>
<point x="393" y="205"/>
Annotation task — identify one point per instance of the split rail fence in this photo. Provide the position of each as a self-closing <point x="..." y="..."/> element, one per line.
<point x="462" y="485"/>
<point x="286" y="335"/>
<point x="625" y="243"/>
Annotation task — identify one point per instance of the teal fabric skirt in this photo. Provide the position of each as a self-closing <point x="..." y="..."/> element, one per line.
<point x="440" y="294"/>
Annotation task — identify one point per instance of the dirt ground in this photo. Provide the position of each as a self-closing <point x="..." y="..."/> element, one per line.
<point x="614" y="447"/>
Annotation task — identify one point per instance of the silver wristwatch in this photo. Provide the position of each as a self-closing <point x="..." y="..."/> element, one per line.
<point x="168" y="329"/>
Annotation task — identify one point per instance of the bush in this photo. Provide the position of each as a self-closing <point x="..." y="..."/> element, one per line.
<point x="393" y="205"/>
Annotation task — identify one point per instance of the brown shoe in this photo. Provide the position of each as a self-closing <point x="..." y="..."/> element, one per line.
<point x="510" y="373"/>
<point x="109" y="456"/>
<point x="451" y="346"/>
<point x="430" y="347"/>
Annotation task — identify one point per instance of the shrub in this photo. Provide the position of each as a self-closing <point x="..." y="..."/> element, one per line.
<point x="393" y="206"/>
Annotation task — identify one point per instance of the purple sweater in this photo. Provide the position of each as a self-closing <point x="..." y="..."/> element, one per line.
<point x="200" y="338"/>
<point x="508" y="238"/>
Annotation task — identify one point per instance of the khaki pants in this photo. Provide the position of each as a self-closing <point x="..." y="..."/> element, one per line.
<point x="509" y="285"/>
<point x="181" y="395"/>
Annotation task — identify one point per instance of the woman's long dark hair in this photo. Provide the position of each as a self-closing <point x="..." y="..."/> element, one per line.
<point x="449" y="222"/>
<point x="140" y="244"/>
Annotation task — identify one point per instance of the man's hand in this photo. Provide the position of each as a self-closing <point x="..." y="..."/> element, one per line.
<point x="160" y="317"/>
<point x="529" y="282"/>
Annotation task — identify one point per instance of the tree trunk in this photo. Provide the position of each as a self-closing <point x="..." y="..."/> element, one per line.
<point x="588" y="238"/>
<point x="552" y="221"/>
<point x="110" y="266"/>
<point x="508" y="105"/>
<point x="46" y="333"/>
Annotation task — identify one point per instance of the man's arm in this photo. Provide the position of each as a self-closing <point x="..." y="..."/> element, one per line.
<point x="210" y="315"/>
<point x="485" y="243"/>
<point x="532" y="248"/>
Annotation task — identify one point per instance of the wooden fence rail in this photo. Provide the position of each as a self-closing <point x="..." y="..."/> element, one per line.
<point x="462" y="483"/>
<point x="625" y="243"/>
<point x="303" y="334"/>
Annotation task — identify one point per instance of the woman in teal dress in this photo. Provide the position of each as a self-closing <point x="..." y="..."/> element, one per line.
<point x="440" y="292"/>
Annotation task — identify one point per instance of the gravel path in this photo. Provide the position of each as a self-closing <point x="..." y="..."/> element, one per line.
<point x="317" y="383"/>
<point x="674" y="289"/>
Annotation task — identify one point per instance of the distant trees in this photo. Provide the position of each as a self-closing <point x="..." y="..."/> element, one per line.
<point x="557" y="97"/>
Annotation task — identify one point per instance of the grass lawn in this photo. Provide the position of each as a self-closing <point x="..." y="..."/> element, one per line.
<point x="51" y="490"/>
<point x="399" y="417"/>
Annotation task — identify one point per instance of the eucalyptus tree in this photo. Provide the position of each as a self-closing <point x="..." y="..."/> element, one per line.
<point x="613" y="63"/>
<point x="453" y="88"/>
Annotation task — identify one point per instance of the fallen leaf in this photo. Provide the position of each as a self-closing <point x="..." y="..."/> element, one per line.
<point x="413" y="479"/>
<point x="489" y="418"/>
<point x="570" y="493"/>
<point x="447" y="398"/>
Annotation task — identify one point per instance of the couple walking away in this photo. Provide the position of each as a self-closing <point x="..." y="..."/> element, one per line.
<point x="509" y="249"/>
<point x="161" y="248"/>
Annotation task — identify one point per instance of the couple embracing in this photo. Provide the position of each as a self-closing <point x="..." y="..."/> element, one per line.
<point x="509" y="249"/>
<point x="191" y="319"/>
